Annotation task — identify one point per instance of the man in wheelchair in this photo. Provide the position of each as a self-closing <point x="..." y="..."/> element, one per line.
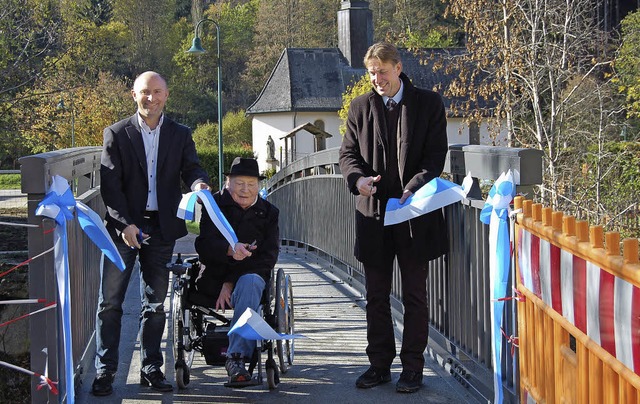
<point x="242" y="270"/>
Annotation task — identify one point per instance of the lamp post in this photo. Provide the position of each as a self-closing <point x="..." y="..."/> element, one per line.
<point x="61" y="106"/>
<point x="196" y="47"/>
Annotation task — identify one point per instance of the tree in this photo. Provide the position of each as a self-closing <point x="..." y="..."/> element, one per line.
<point x="194" y="91"/>
<point x="284" y="24"/>
<point x="362" y="86"/>
<point x="148" y="26"/>
<point x="414" y="23"/>
<point x="29" y="31"/>
<point x="627" y="63"/>
<point x="530" y="59"/>
<point x="90" y="106"/>
<point x="236" y="129"/>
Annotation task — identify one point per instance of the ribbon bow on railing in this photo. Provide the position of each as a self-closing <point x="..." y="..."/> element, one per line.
<point x="495" y="213"/>
<point x="60" y="205"/>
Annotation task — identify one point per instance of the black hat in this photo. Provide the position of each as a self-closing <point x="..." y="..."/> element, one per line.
<point x="245" y="166"/>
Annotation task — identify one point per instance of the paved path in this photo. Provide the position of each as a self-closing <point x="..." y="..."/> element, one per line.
<point x="12" y="198"/>
<point x="326" y="364"/>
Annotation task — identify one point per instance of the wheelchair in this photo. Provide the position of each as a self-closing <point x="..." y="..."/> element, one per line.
<point x="197" y="327"/>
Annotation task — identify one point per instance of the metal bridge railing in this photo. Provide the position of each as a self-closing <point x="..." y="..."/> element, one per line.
<point x="317" y="213"/>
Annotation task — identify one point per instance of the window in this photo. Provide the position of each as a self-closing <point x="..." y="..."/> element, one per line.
<point x="320" y="142"/>
<point x="474" y="133"/>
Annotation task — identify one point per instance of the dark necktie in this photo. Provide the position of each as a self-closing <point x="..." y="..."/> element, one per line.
<point x="391" y="104"/>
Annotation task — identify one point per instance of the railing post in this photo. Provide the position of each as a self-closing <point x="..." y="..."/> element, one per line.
<point x="80" y="166"/>
<point x="43" y="329"/>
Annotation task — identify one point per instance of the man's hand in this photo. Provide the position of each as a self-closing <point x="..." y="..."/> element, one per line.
<point x="130" y="236"/>
<point x="405" y="195"/>
<point x="224" y="298"/>
<point x="365" y="185"/>
<point x="241" y="251"/>
<point x="201" y="186"/>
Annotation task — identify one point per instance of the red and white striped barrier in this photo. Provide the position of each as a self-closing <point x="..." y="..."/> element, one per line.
<point x="604" y="307"/>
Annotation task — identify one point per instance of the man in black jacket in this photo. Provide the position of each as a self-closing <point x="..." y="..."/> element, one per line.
<point x="396" y="142"/>
<point x="238" y="274"/>
<point x="144" y="159"/>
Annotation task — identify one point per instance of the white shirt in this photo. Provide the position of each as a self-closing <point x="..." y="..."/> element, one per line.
<point x="151" y="137"/>
<point x="397" y="98"/>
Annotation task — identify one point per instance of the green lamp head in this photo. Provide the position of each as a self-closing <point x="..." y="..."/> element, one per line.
<point x="196" y="46"/>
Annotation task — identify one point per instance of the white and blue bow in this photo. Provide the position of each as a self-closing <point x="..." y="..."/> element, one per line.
<point x="60" y="205"/>
<point x="495" y="213"/>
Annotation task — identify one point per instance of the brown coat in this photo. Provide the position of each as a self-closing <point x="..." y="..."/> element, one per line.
<point x="423" y="149"/>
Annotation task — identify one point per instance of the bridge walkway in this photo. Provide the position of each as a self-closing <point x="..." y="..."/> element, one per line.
<point x="326" y="364"/>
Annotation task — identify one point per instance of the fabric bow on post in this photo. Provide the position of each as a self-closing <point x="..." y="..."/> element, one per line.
<point x="60" y="205"/>
<point x="495" y="213"/>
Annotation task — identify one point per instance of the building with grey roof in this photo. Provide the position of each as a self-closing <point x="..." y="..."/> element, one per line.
<point x="298" y="105"/>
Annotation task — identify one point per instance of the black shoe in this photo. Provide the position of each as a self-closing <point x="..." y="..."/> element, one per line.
<point x="102" y="384"/>
<point x="409" y="382"/>
<point x="156" y="380"/>
<point x="373" y="377"/>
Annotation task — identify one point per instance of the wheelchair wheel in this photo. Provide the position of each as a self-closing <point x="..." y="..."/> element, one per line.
<point x="273" y="376"/>
<point x="291" y="321"/>
<point x="183" y="334"/>
<point x="284" y="319"/>
<point x="183" y="375"/>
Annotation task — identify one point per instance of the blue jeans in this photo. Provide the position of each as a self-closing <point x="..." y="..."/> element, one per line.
<point x="246" y="293"/>
<point x="154" y="282"/>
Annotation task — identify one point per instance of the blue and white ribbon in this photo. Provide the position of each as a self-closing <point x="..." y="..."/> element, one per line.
<point x="251" y="326"/>
<point x="186" y="211"/>
<point x="435" y="194"/>
<point x="59" y="205"/>
<point x="495" y="213"/>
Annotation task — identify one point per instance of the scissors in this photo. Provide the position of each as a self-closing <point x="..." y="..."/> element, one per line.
<point x="143" y="240"/>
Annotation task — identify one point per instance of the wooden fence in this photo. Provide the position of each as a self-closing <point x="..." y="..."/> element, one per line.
<point x="579" y="312"/>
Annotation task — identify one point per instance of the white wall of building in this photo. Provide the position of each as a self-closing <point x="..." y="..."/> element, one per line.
<point x="458" y="132"/>
<point x="278" y="124"/>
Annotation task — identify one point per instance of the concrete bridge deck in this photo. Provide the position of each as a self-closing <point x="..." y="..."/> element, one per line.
<point x="326" y="364"/>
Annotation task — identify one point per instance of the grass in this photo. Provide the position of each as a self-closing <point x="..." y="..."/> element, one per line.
<point x="9" y="181"/>
<point x="193" y="227"/>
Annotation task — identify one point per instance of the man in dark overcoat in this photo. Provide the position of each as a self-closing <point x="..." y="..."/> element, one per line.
<point x="395" y="142"/>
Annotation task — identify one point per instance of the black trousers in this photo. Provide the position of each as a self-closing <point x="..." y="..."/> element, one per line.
<point x="381" y="348"/>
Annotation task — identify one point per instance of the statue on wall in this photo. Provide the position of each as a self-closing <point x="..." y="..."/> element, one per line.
<point x="271" y="149"/>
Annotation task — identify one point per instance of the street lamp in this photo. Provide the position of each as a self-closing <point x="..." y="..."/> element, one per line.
<point x="196" y="47"/>
<point x="61" y="106"/>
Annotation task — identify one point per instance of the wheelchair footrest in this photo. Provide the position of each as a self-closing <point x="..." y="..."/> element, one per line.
<point x="253" y="382"/>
